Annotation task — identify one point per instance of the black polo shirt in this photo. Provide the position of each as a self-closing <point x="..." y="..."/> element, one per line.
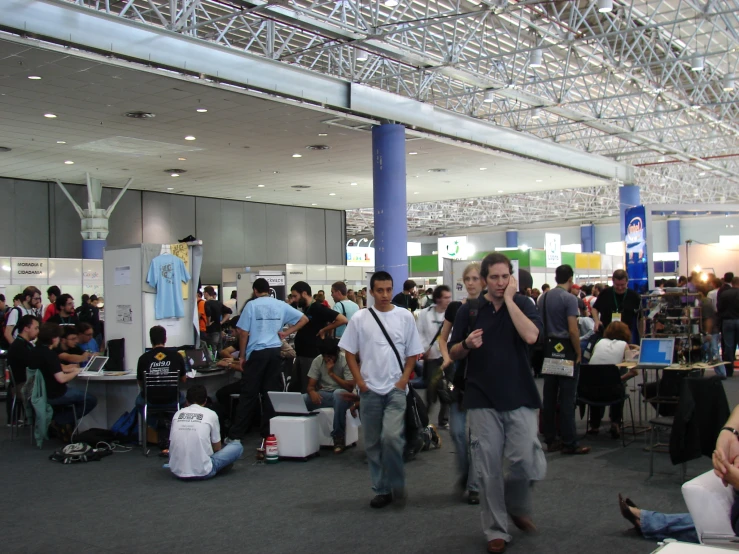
<point x="499" y="374"/>
<point x="608" y="303"/>
<point x="19" y="356"/>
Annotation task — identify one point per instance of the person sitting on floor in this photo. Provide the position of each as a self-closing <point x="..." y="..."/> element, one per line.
<point x="56" y="377"/>
<point x="613" y="349"/>
<point x="329" y="381"/>
<point x="68" y="350"/>
<point x="195" y="451"/>
<point x="157" y="362"/>
<point x="657" y="526"/>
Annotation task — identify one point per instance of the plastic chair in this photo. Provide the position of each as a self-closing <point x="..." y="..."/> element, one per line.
<point x="601" y="386"/>
<point x="16" y="408"/>
<point x="167" y="387"/>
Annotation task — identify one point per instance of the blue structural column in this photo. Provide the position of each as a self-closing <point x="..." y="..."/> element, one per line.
<point x="587" y="237"/>
<point x="390" y="207"/>
<point x="673" y="235"/>
<point x="628" y="197"/>
<point x="511" y="238"/>
<point x="93" y="249"/>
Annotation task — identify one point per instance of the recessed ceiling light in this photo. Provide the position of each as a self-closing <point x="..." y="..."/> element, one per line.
<point x="539" y="180"/>
<point x="415" y="192"/>
<point x="605" y="6"/>
<point x="61" y="142"/>
<point x="489" y="96"/>
<point x="174" y="174"/>
<point x="260" y="186"/>
<point x="297" y="155"/>
<point x="50" y="115"/>
<point x="189" y="137"/>
<point x="201" y="110"/>
<point x="275" y="172"/>
<point x="247" y="197"/>
<point x="391" y="3"/>
<point x="182" y="159"/>
<point x="322" y="134"/>
<point x="69" y="162"/>
<point x="701" y="174"/>
<point x="332" y="194"/>
<point x="34" y="77"/>
<point x="314" y="204"/>
<point x="362" y="55"/>
<point x="412" y="153"/>
<point x="353" y="184"/>
<point x="483" y="168"/>
<point x="500" y="191"/>
<point x="170" y="188"/>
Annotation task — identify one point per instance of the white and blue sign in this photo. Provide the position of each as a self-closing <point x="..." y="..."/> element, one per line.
<point x="637" y="264"/>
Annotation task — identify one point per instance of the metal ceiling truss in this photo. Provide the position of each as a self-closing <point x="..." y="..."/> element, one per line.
<point x="623" y="84"/>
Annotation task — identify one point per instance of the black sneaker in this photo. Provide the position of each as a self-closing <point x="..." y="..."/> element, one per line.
<point x="473" y="497"/>
<point x="381" y="500"/>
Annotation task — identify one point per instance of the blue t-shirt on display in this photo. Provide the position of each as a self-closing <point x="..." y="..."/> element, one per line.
<point x="166" y="272"/>
<point x="263" y="318"/>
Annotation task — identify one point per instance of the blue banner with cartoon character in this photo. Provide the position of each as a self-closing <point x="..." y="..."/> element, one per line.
<point x="636" y="249"/>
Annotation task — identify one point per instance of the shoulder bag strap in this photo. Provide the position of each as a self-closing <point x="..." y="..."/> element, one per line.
<point x="387" y="337"/>
<point x="544" y="313"/>
<point x="343" y="310"/>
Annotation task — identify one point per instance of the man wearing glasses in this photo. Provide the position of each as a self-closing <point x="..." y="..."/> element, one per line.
<point x="30" y="305"/>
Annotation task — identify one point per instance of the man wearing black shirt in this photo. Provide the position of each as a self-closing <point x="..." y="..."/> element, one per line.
<point x="321" y="320"/>
<point x="159" y="361"/>
<point x="616" y="303"/>
<point x="502" y="399"/>
<point x="68" y="351"/>
<point x="728" y="313"/>
<point x="56" y="377"/>
<point x="19" y="355"/>
<point x="217" y="314"/>
<point x="407" y="299"/>
<point x="64" y="311"/>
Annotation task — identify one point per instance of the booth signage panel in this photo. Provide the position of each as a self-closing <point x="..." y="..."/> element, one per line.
<point x="92" y="271"/>
<point x="581" y="261"/>
<point x="29" y="270"/>
<point x="637" y="266"/>
<point x="454" y="248"/>
<point x="273" y="280"/>
<point x="296" y="273"/>
<point x="553" y="248"/>
<point x="594" y="261"/>
<point x="360" y="256"/>
<point x="65" y="272"/>
<point x="5" y="271"/>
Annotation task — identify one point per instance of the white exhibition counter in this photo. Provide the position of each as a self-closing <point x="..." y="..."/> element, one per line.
<point x="117" y="394"/>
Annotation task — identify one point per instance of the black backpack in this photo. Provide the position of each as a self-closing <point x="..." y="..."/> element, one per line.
<point x="4" y="324"/>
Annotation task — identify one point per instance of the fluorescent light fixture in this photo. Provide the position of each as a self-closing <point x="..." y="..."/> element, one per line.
<point x="34" y="77"/>
<point x="412" y="153"/>
<point x="483" y="168"/>
<point x="182" y="159"/>
<point x="50" y="115"/>
<point x="260" y="186"/>
<point x="489" y="96"/>
<point x="170" y="188"/>
<point x="297" y="155"/>
<point x="697" y="63"/>
<point x="69" y="162"/>
<point x="61" y="142"/>
<point x="247" y="197"/>
<point x="174" y="175"/>
<point x="353" y="184"/>
<point x="605" y="6"/>
<point x="729" y="82"/>
<point x="332" y="194"/>
<point x="322" y="134"/>
<point x="201" y="110"/>
<point x="189" y="137"/>
<point x="362" y="55"/>
<point x="535" y="58"/>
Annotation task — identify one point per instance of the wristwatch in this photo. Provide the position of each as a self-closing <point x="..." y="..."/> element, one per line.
<point x="736" y="433"/>
<point x="464" y="345"/>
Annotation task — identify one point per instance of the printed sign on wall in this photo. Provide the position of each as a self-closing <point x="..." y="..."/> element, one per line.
<point x="454" y="248"/>
<point x="553" y="249"/>
<point x="636" y="249"/>
<point x="29" y="270"/>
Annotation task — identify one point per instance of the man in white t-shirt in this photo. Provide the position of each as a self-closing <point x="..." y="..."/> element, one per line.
<point x="30" y="305"/>
<point x="382" y="384"/>
<point x="195" y="450"/>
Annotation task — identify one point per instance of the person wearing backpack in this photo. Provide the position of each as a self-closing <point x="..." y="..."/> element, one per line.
<point x="387" y="364"/>
<point x="30" y="305"/>
<point x="87" y="313"/>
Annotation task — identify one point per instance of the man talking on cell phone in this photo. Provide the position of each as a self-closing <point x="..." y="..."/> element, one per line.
<point x="386" y="338"/>
<point x="502" y="399"/>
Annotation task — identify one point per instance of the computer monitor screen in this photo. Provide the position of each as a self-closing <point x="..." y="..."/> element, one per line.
<point x="656" y="351"/>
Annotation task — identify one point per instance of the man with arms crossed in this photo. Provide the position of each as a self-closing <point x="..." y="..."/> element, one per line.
<point x="502" y="399"/>
<point x="382" y="384"/>
<point x="260" y="339"/>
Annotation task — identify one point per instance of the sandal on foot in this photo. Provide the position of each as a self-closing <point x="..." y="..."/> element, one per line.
<point x="624" y="506"/>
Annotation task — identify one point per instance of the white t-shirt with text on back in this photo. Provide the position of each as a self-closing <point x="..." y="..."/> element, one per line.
<point x="379" y="367"/>
<point x="194" y="430"/>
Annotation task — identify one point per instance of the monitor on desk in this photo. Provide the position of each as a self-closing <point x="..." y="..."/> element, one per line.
<point x="656" y="353"/>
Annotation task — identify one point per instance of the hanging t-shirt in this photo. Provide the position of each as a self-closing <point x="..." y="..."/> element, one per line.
<point x="183" y="253"/>
<point x="194" y="431"/>
<point x="166" y="272"/>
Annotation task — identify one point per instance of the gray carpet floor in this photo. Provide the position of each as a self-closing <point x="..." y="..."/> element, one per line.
<point x="128" y="503"/>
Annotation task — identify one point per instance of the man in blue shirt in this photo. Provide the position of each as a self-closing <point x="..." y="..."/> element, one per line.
<point x="343" y="305"/>
<point x="260" y="335"/>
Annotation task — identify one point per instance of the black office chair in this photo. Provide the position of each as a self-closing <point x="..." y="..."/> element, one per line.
<point x="167" y="388"/>
<point x="601" y="386"/>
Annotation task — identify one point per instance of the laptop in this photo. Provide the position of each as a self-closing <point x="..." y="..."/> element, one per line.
<point x="197" y="358"/>
<point x="95" y="365"/>
<point x="656" y="353"/>
<point x="289" y="403"/>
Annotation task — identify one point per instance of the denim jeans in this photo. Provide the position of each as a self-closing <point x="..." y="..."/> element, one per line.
<point x="383" y="421"/>
<point x="339" y="401"/>
<point x="564" y="390"/>
<point x="223" y="458"/>
<point x="458" y="432"/>
<point x="730" y="332"/>
<point x="657" y="526"/>
<point x="82" y="401"/>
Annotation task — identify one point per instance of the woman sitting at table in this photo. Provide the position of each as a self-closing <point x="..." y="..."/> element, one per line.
<point x="613" y="349"/>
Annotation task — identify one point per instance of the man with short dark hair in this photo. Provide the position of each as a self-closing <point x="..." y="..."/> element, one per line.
<point x="3" y="306"/>
<point x="260" y="339"/>
<point x="52" y="293"/>
<point x="19" y="354"/>
<point x="90" y="314"/>
<point x="559" y="311"/>
<point x="30" y="305"/>
<point x="383" y="381"/>
<point x="195" y="451"/>
<point x="728" y="313"/>
<point x="65" y="314"/>
<point x="68" y="351"/>
<point x="321" y="320"/>
<point x="343" y="305"/>
<point x="545" y="287"/>
<point x="502" y="399"/>
<point x="408" y="298"/>
<point x="217" y="314"/>
<point x="616" y="303"/>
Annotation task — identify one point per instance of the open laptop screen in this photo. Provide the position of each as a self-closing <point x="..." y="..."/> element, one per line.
<point x="657" y="352"/>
